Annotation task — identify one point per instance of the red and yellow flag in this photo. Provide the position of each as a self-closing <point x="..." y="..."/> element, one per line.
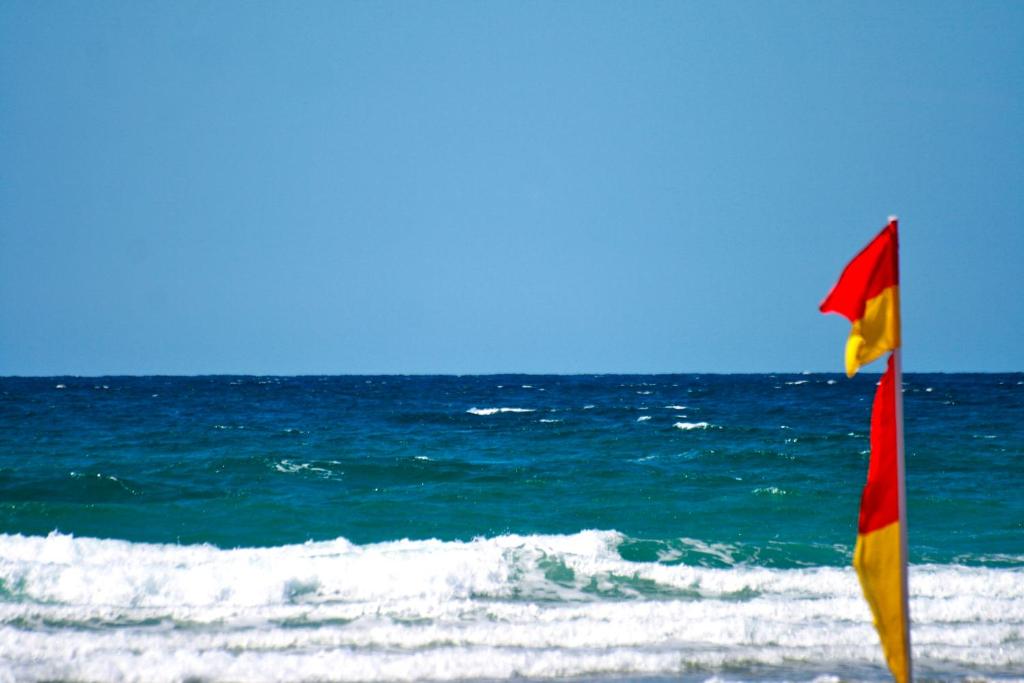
<point x="868" y="295"/>
<point x="878" y="556"/>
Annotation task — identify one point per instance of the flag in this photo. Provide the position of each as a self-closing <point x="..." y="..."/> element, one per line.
<point x="878" y="556"/>
<point x="868" y="295"/>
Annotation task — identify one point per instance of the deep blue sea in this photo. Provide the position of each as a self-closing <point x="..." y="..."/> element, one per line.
<point x="355" y="528"/>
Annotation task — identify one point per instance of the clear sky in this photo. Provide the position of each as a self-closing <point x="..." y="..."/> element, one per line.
<point x="457" y="187"/>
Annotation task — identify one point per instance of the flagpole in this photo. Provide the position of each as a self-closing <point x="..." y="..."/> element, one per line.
<point x="901" y="483"/>
<point x="902" y="487"/>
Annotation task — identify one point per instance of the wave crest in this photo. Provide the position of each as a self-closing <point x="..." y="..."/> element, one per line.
<point x="686" y="426"/>
<point x="494" y="411"/>
<point x="519" y="606"/>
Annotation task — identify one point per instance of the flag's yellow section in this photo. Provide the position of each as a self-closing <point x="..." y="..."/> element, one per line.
<point x="877" y="560"/>
<point x="877" y="332"/>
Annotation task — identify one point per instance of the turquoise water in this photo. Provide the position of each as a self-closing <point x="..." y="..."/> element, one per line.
<point x="495" y="526"/>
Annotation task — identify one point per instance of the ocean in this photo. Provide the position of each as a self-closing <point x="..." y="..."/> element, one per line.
<point x="387" y="528"/>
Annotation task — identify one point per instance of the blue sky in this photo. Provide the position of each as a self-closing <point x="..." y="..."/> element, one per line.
<point x="457" y="187"/>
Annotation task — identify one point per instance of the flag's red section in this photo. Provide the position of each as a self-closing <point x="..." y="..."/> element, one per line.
<point x="879" y="505"/>
<point x="873" y="270"/>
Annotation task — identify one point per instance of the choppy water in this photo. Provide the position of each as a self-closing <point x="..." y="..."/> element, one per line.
<point x="390" y="528"/>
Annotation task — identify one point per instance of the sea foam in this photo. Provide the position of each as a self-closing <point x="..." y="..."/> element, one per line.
<point x="509" y="606"/>
<point x="494" y="411"/>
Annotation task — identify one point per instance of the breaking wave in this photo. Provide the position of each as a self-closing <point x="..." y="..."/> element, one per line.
<point x="494" y="411"/>
<point x="508" y="606"/>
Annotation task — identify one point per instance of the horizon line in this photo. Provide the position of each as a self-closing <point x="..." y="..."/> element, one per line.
<point x="504" y="374"/>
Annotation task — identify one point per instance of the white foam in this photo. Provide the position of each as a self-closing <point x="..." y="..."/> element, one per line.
<point x="771" y="491"/>
<point x="675" y="407"/>
<point x="691" y="425"/>
<point x="798" y="382"/>
<point x="494" y="411"/>
<point x="291" y="467"/>
<point x="643" y="418"/>
<point x="490" y="608"/>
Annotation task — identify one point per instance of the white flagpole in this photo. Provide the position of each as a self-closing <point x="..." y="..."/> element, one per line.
<point x="901" y="484"/>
